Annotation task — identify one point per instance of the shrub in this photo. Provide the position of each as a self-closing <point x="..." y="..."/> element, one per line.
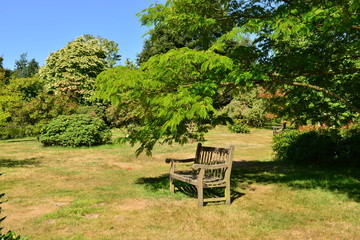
<point x="238" y="126"/>
<point x="26" y="118"/>
<point x="313" y="147"/>
<point x="348" y="146"/>
<point x="75" y="130"/>
<point x="284" y="144"/>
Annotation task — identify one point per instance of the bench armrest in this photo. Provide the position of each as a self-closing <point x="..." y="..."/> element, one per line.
<point x="204" y="166"/>
<point x="169" y="160"/>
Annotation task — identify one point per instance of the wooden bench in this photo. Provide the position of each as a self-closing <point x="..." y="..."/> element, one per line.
<point x="278" y="129"/>
<point x="211" y="169"/>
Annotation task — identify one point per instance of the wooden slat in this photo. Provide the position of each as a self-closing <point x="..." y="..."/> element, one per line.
<point x="214" y="199"/>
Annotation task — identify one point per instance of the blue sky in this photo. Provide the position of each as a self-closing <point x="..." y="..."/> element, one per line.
<point x="39" y="27"/>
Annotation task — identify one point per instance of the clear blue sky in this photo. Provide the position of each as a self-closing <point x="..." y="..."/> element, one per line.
<point x="39" y="27"/>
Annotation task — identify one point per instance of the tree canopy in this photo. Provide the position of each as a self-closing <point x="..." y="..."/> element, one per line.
<point x="72" y="70"/>
<point x="306" y="50"/>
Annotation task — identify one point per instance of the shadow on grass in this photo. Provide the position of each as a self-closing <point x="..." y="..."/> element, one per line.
<point x="244" y="173"/>
<point x="161" y="183"/>
<point x="10" y="163"/>
<point x="339" y="180"/>
<point x="19" y="140"/>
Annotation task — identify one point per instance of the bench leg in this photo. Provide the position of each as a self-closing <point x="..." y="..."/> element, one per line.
<point x="200" y="192"/>
<point x="227" y="194"/>
<point x="172" y="187"/>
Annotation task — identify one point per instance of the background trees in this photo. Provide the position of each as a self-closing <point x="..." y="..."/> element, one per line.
<point x="63" y="87"/>
<point x="195" y="24"/>
<point x="25" y="68"/>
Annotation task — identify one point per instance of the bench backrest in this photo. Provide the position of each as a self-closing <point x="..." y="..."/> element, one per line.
<point x="213" y="155"/>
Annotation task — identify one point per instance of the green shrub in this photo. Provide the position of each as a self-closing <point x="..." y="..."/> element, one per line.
<point x="10" y="235"/>
<point x="313" y="147"/>
<point x="75" y="130"/>
<point x="26" y="118"/>
<point x="348" y="146"/>
<point x="238" y="126"/>
<point x="284" y="144"/>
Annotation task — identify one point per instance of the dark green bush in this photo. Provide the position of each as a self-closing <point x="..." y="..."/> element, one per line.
<point x="319" y="146"/>
<point x="348" y="146"/>
<point x="75" y="130"/>
<point x="238" y="126"/>
<point x="313" y="147"/>
<point x="284" y="144"/>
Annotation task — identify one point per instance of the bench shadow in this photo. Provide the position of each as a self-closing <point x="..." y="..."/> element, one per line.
<point x="11" y="163"/>
<point x="161" y="183"/>
<point x="245" y="173"/>
<point x="336" y="179"/>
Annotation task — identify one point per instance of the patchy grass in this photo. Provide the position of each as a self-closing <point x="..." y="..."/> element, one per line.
<point x="105" y="192"/>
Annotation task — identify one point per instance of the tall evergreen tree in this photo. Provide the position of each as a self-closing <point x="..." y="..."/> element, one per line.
<point x="25" y="68"/>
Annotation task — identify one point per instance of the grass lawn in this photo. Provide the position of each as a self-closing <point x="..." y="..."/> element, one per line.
<point x="106" y="192"/>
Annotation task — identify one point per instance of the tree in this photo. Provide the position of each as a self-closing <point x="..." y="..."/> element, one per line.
<point x="201" y="23"/>
<point x="304" y="49"/>
<point x="112" y="48"/>
<point x="72" y="70"/>
<point x="4" y="73"/>
<point x="309" y="50"/>
<point x="171" y="97"/>
<point x="25" y="68"/>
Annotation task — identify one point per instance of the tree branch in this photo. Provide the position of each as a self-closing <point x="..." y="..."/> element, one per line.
<point x="317" y="88"/>
<point x="309" y="74"/>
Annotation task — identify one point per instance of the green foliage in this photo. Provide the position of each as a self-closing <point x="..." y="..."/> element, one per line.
<point x="25" y="68"/>
<point x="247" y="106"/>
<point x="72" y="70"/>
<point x="306" y="49"/>
<point x="25" y="118"/>
<point x="75" y="130"/>
<point x="27" y="88"/>
<point x="295" y="45"/>
<point x="195" y="24"/>
<point x="167" y="94"/>
<point x="322" y="146"/>
<point x="348" y="145"/>
<point x="305" y="148"/>
<point x="238" y="126"/>
<point x="4" y="73"/>
<point x="112" y="49"/>
<point x="10" y="235"/>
